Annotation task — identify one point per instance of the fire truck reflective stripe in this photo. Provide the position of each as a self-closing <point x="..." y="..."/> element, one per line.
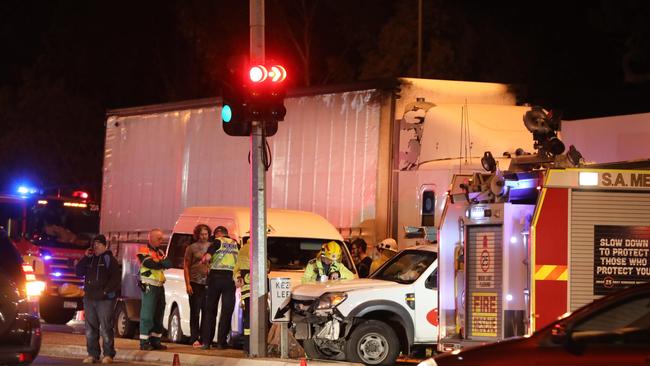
<point x="549" y="272"/>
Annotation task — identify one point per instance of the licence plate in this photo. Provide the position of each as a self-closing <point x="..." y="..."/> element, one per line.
<point x="69" y="305"/>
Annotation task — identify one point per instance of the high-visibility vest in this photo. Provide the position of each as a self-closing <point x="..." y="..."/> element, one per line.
<point x="154" y="277"/>
<point x="243" y="270"/>
<point x="225" y="258"/>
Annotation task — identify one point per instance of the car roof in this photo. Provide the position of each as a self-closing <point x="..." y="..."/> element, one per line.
<point x="425" y="247"/>
<point x="280" y="222"/>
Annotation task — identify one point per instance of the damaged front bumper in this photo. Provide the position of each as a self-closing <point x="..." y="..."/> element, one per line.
<point x="312" y="323"/>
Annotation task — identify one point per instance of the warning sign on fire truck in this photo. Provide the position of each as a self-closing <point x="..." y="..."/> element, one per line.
<point x="621" y="257"/>
<point x="484" y="314"/>
<point x="485" y="258"/>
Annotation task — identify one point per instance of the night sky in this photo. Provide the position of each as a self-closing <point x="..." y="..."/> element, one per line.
<point x="64" y="63"/>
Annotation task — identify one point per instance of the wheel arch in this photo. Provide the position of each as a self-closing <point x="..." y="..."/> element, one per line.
<point x="388" y="312"/>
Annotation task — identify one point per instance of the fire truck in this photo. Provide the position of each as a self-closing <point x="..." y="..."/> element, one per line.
<point x="52" y="231"/>
<point x="521" y="247"/>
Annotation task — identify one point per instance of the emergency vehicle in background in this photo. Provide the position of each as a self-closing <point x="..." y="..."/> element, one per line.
<point x="52" y="232"/>
<point x="521" y="247"/>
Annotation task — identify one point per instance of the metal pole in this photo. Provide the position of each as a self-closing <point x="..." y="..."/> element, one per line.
<point x="258" y="315"/>
<point x="419" y="38"/>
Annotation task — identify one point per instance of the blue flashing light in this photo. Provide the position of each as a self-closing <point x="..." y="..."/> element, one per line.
<point x="25" y="190"/>
<point x="56" y="274"/>
<point x="226" y="113"/>
<point x="47" y="257"/>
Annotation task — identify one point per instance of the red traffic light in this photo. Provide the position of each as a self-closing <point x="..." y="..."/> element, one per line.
<point x="258" y="73"/>
<point x="277" y="73"/>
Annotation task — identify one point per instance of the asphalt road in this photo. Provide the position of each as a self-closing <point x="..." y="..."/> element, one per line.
<point x="41" y="360"/>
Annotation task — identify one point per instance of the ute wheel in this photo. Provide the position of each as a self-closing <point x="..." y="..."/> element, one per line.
<point x="124" y="327"/>
<point x="8" y="304"/>
<point x="373" y="343"/>
<point x="315" y="348"/>
<point x="54" y="315"/>
<point x="174" y="330"/>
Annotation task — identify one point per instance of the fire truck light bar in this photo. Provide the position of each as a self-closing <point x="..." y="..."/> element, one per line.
<point x="75" y="204"/>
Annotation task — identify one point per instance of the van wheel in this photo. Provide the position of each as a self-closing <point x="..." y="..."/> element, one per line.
<point x="124" y="327"/>
<point x="322" y="349"/>
<point x="174" y="330"/>
<point x="373" y="343"/>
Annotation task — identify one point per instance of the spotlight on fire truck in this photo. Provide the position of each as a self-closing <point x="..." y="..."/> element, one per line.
<point x="544" y="126"/>
<point x="488" y="162"/>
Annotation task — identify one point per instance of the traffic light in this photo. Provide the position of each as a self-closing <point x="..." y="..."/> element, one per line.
<point x="234" y="119"/>
<point x="256" y="95"/>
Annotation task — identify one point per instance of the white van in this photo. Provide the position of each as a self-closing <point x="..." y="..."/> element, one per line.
<point x="293" y="238"/>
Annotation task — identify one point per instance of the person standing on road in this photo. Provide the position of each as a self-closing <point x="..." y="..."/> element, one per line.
<point x="327" y="265"/>
<point x="222" y="258"/>
<point x="196" y="275"/>
<point x="359" y="248"/>
<point x="152" y="278"/>
<point x="102" y="280"/>
<point x="387" y="249"/>
<point x="241" y="274"/>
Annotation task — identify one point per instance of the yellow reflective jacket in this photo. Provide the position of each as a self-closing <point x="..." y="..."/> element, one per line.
<point x="224" y="258"/>
<point x="152" y="265"/>
<point x="315" y="270"/>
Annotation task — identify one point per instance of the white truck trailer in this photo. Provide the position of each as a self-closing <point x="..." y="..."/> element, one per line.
<point x="371" y="158"/>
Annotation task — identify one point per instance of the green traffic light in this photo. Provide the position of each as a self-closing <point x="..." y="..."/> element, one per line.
<point x="226" y="113"/>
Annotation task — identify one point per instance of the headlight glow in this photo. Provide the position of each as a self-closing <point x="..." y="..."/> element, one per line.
<point x="331" y="300"/>
<point x="35" y="288"/>
<point x="428" y="362"/>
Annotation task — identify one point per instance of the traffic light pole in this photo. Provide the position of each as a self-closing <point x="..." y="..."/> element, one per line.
<point x="258" y="314"/>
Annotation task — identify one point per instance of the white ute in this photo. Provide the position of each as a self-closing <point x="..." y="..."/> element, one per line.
<point x="371" y="320"/>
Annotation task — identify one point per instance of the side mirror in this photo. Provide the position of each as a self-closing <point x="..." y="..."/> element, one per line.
<point x="432" y="280"/>
<point x="559" y="334"/>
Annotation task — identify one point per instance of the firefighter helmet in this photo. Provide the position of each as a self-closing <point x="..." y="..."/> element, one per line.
<point x="388" y="244"/>
<point x="331" y="250"/>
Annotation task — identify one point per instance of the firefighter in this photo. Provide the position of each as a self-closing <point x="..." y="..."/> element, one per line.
<point x="241" y="274"/>
<point x="152" y="278"/>
<point x="327" y="265"/>
<point x="222" y="258"/>
<point x="387" y="248"/>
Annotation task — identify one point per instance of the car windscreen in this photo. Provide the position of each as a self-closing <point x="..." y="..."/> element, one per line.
<point x="295" y="253"/>
<point x="406" y="267"/>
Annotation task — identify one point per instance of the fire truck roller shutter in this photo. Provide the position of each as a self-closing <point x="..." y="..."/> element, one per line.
<point x="484" y="276"/>
<point x="612" y="216"/>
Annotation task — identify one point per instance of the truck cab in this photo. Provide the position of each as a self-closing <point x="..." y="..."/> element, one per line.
<point x="51" y="232"/>
<point x="371" y="320"/>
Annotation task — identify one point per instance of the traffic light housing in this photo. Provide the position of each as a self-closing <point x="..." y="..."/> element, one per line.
<point x="234" y="119"/>
<point x="254" y="95"/>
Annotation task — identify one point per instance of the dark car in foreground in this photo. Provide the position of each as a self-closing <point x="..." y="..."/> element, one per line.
<point x="614" y="330"/>
<point x="20" y="329"/>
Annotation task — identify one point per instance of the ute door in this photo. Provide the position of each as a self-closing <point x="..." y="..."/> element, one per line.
<point x="426" y="306"/>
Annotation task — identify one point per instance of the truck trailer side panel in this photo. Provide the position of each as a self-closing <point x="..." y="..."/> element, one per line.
<point x="324" y="160"/>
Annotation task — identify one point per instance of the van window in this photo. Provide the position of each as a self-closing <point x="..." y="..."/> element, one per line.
<point x="294" y="253"/>
<point x="177" y="247"/>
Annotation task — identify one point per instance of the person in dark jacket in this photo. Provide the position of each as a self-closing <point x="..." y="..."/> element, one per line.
<point x="102" y="279"/>
<point x="359" y="249"/>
